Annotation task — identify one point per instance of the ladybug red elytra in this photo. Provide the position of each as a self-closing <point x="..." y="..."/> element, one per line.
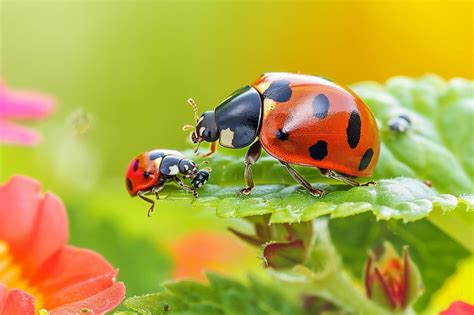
<point x="149" y="171"/>
<point x="299" y="120"/>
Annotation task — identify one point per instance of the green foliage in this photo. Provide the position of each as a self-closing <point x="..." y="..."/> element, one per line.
<point x="399" y="198"/>
<point x="222" y="296"/>
<point x="439" y="145"/>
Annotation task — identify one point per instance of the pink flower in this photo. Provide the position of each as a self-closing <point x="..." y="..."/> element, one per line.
<point x="38" y="270"/>
<point x="21" y="105"/>
<point x="459" y="308"/>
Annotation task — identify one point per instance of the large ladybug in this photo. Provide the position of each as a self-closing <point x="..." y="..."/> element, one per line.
<point x="149" y="171"/>
<point x="300" y="120"/>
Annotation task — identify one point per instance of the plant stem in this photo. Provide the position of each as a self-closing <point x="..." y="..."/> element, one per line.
<point x="337" y="287"/>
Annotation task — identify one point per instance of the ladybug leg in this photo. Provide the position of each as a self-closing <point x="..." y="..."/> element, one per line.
<point x="152" y="208"/>
<point x="338" y="176"/>
<point x="155" y="191"/>
<point x="212" y="150"/>
<point x="186" y="188"/>
<point x="343" y="178"/>
<point x="251" y="157"/>
<point x="303" y="182"/>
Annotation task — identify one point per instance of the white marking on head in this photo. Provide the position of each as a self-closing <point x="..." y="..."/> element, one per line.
<point x="174" y="169"/>
<point x="158" y="162"/>
<point x="226" y="138"/>
<point x="186" y="167"/>
<point x="201" y="131"/>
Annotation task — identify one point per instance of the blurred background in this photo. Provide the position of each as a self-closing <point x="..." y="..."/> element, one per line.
<point x="121" y="72"/>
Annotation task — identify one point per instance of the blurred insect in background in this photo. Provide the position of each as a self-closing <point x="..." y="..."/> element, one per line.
<point x="81" y="121"/>
<point x="298" y="119"/>
<point x="150" y="171"/>
<point x="400" y="124"/>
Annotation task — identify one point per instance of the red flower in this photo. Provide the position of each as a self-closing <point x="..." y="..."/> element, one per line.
<point x="391" y="281"/>
<point x="459" y="308"/>
<point x="38" y="270"/>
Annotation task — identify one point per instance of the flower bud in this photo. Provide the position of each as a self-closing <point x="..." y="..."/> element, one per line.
<point x="391" y="281"/>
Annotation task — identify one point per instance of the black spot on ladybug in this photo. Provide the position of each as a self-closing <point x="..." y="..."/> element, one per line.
<point x="146" y="174"/>
<point x="279" y="91"/>
<point x="129" y="184"/>
<point x="320" y="106"/>
<point x="135" y="165"/>
<point x="319" y="150"/>
<point x="156" y="155"/>
<point x="281" y="135"/>
<point x="366" y="158"/>
<point x="353" y="129"/>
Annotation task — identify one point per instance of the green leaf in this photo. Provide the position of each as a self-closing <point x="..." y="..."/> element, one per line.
<point x="435" y="254"/>
<point x="399" y="198"/>
<point x="439" y="145"/>
<point x="221" y="296"/>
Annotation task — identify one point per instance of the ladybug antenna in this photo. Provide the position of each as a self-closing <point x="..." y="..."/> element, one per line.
<point x="187" y="127"/>
<point x="195" y="109"/>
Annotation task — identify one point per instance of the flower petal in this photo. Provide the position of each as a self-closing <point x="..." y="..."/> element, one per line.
<point x="102" y="302"/>
<point x="81" y="290"/>
<point x="68" y="267"/>
<point x="3" y="296"/>
<point x="19" y="203"/>
<point x="18" y="303"/>
<point x="24" y="104"/>
<point x="459" y="308"/>
<point x="49" y="235"/>
<point x="14" y="134"/>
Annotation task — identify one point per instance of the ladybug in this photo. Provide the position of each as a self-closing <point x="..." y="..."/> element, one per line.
<point x="149" y="171"/>
<point x="299" y="120"/>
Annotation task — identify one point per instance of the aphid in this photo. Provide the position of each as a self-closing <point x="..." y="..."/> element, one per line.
<point x="299" y="120"/>
<point x="399" y="124"/>
<point x="149" y="171"/>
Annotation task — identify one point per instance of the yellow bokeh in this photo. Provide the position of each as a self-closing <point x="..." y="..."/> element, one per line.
<point x="459" y="287"/>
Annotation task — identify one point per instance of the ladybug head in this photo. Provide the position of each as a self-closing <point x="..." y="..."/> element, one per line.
<point x="188" y="168"/>
<point x="201" y="178"/>
<point x="206" y="127"/>
<point x="140" y="177"/>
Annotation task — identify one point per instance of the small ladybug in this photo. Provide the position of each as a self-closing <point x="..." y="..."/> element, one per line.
<point x="298" y="119"/>
<point x="149" y="171"/>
